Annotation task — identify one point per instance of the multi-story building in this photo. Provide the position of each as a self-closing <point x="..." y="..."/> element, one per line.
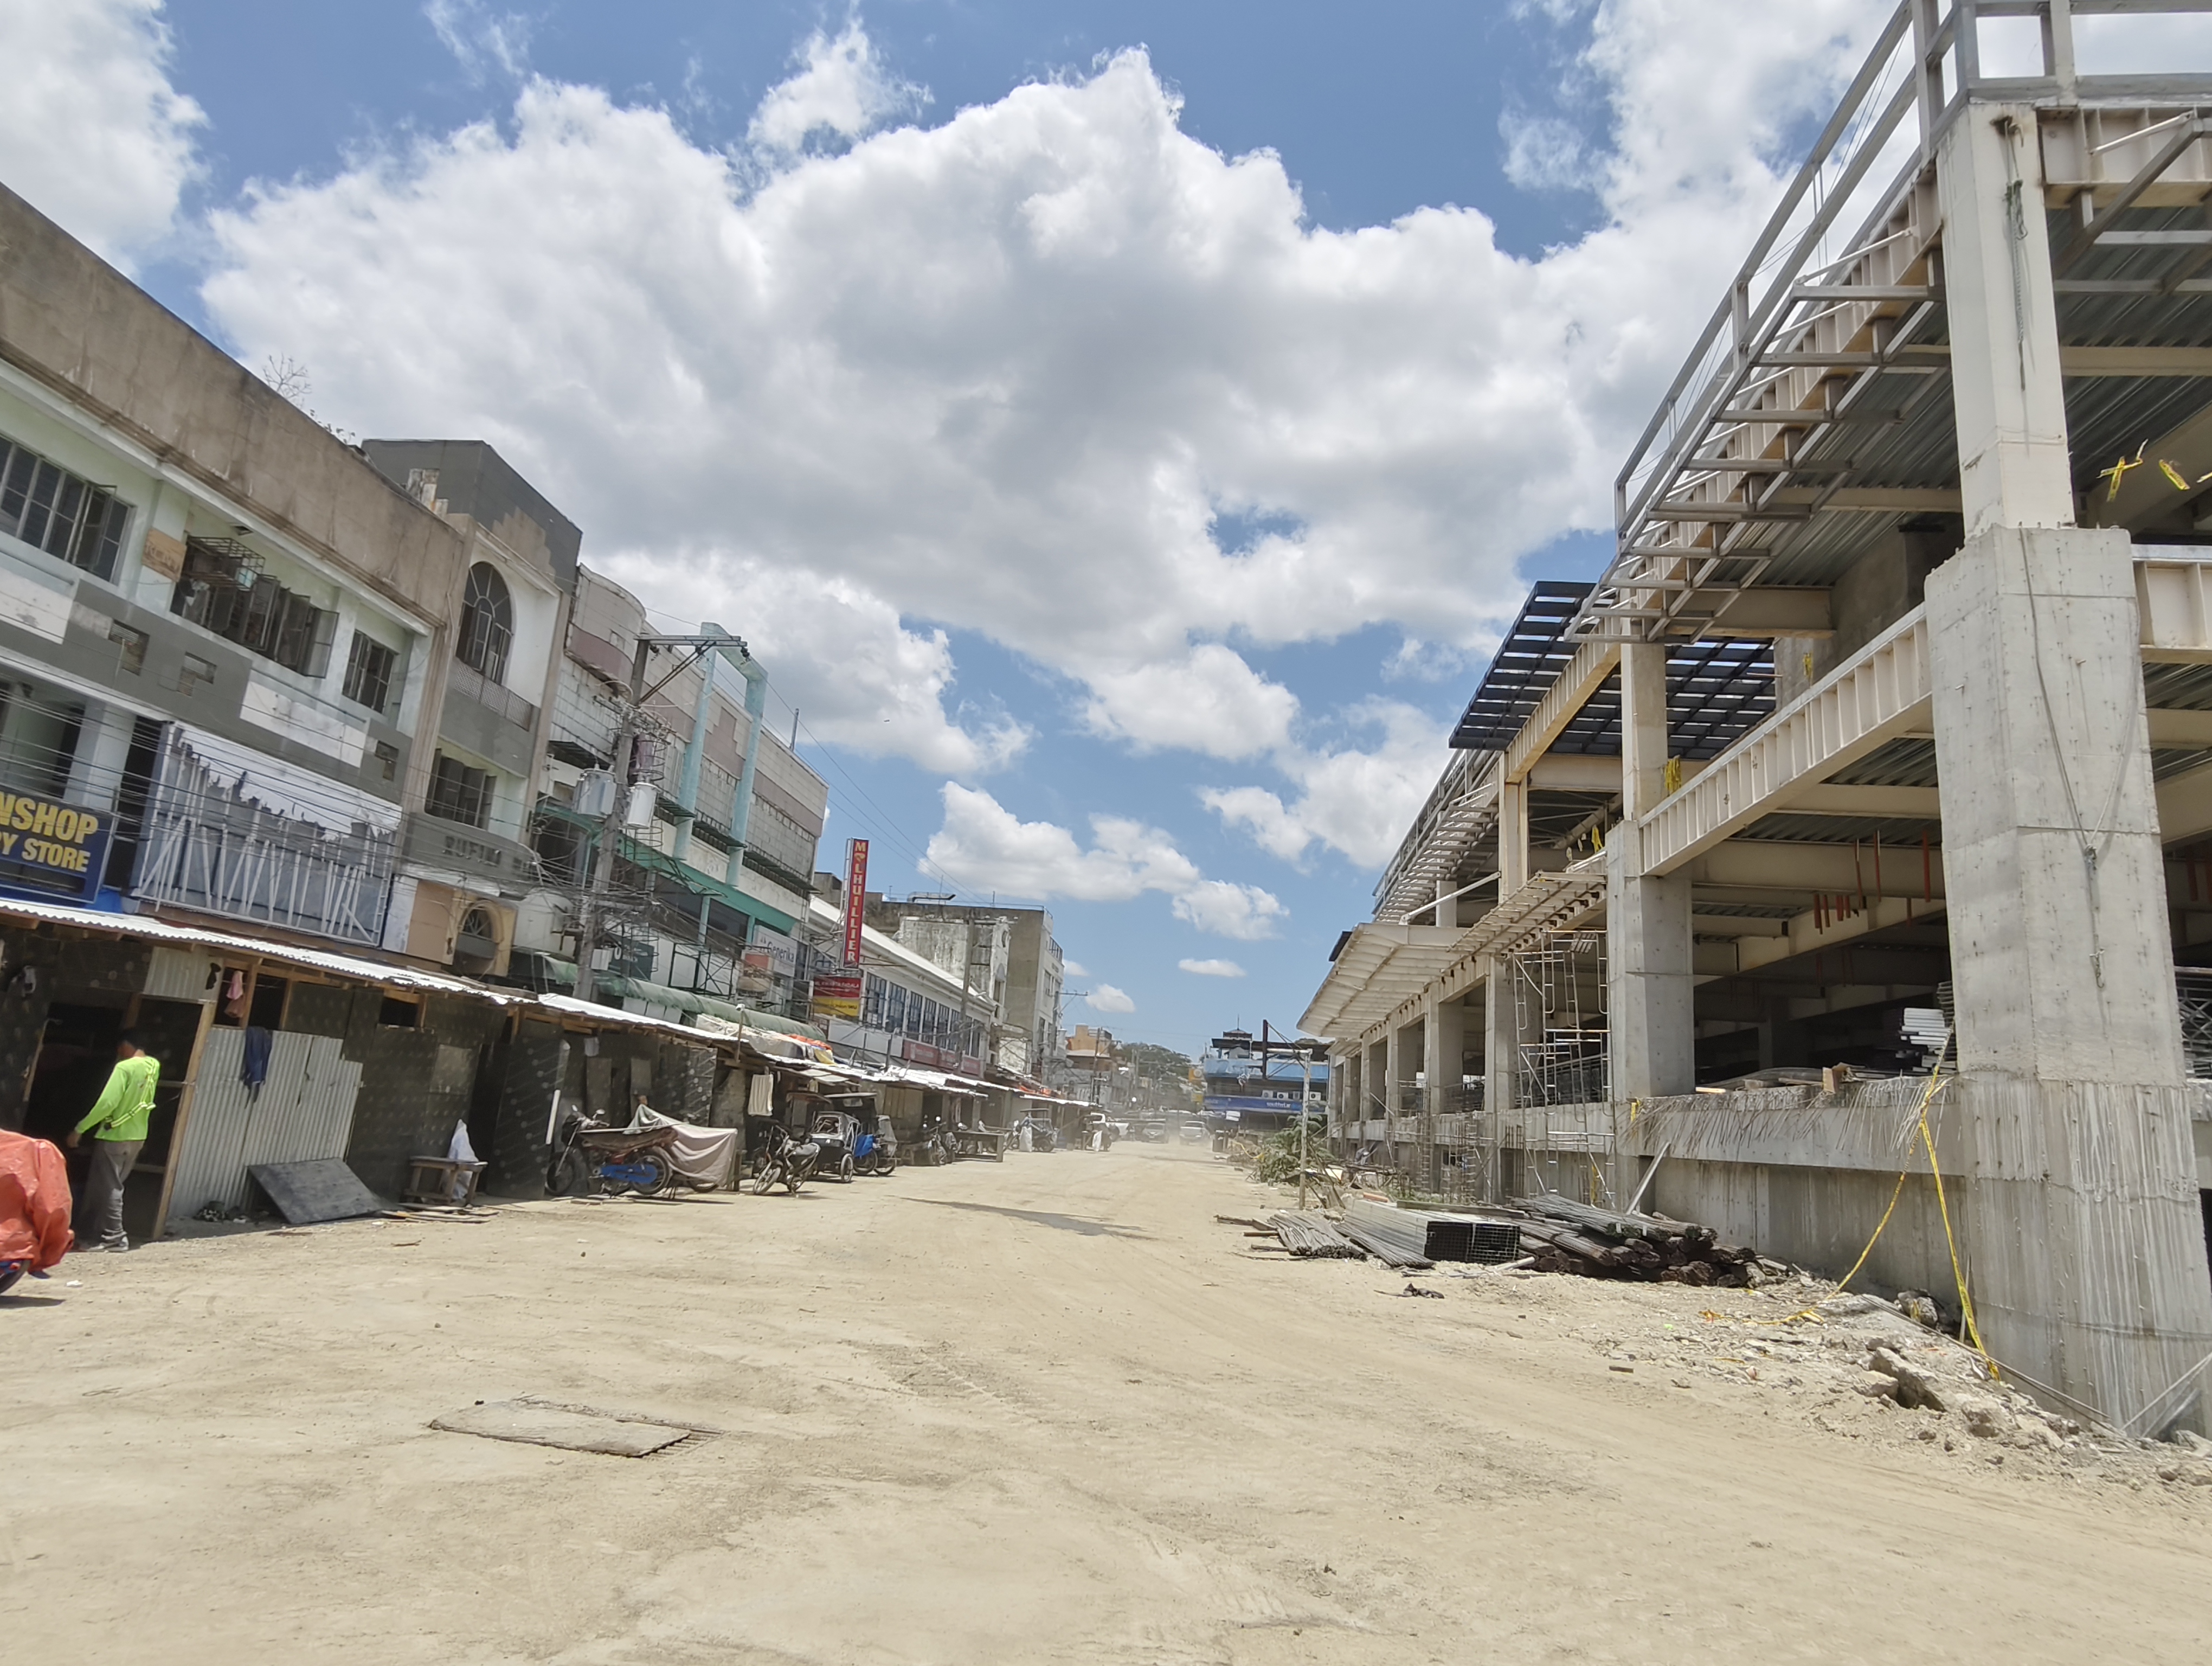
<point x="911" y="1008"/>
<point x="711" y="880"/>
<point x="226" y="636"/>
<point x="1882" y="749"/>
<point x="466" y="865"/>
<point x="1010" y="963"/>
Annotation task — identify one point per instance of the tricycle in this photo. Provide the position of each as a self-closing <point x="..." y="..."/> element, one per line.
<point x="838" y="1133"/>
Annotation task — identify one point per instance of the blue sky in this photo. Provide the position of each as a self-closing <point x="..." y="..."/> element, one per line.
<point x="1124" y="461"/>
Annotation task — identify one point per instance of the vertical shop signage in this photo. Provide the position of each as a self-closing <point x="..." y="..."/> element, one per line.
<point x="856" y="896"/>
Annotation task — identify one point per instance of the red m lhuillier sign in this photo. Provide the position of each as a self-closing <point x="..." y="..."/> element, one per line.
<point x="856" y="896"/>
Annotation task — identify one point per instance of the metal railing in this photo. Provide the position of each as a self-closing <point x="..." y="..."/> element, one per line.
<point x="1840" y="253"/>
<point x="461" y="679"/>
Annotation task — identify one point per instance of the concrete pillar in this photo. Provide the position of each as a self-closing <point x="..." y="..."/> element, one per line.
<point x="1651" y="1039"/>
<point x="2008" y="401"/>
<point x="1444" y="1050"/>
<point x="2083" y="1235"/>
<point x="1512" y="838"/>
<point x="1443" y="1035"/>
<point x="1501" y="1036"/>
<point x="1376" y="1081"/>
<point x="1386" y="1091"/>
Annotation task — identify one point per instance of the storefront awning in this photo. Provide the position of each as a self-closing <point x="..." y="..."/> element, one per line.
<point x="147" y="928"/>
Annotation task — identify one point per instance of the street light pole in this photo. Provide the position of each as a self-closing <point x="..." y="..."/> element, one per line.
<point x="1305" y="1098"/>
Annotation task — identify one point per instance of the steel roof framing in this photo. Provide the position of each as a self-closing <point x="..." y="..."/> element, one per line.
<point x="1823" y="360"/>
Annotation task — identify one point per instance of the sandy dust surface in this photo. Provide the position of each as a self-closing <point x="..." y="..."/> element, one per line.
<point x="1043" y="1411"/>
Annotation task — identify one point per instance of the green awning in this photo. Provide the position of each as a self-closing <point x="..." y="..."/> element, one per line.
<point x="689" y="1001"/>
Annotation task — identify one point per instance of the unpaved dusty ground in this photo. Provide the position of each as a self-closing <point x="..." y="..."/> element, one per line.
<point x="1038" y="1412"/>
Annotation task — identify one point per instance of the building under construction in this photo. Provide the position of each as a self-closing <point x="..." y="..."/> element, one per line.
<point x="1854" y="823"/>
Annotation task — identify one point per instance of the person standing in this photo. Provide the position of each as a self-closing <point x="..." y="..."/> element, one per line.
<point x="118" y="1126"/>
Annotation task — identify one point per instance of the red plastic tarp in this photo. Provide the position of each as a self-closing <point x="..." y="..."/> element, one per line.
<point x="34" y="1202"/>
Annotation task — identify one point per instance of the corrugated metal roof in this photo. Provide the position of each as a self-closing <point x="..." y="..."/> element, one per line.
<point x="146" y="929"/>
<point x="1717" y="689"/>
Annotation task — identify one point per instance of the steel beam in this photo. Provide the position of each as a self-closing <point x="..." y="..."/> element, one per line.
<point x="1594" y="661"/>
<point x="1888" y="803"/>
<point x="2173" y="599"/>
<point x="1779" y="869"/>
<point x="1881" y="693"/>
<point x="2184" y="806"/>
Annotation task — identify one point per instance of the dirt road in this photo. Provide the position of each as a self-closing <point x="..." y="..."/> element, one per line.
<point x="1043" y="1411"/>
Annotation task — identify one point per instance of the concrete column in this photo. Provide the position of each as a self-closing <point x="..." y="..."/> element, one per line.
<point x="1394" y="1064"/>
<point x="1651" y="1040"/>
<point x="1501" y="1036"/>
<point x="1374" y="1081"/>
<point x="1512" y="838"/>
<point x="1444" y="1033"/>
<point x="2008" y="401"/>
<point x="2083" y="1235"/>
<point x="1444" y="1049"/>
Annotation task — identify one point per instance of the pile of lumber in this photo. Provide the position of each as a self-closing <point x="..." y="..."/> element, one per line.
<point x="1568" y="1236"/>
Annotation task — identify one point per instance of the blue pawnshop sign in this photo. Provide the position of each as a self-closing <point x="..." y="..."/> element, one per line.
<point x="51" y="850"/>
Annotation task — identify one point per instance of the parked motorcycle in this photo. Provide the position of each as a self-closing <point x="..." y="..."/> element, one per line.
<point x="876" y="1152"/>
<point x="588" y="1155"/>
<point x="784" y="1161"/>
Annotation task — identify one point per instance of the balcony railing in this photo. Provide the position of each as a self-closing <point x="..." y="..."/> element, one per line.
<point x="493" y="697"/>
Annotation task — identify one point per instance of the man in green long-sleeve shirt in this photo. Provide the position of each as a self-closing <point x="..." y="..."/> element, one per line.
<point x="118" y="1127"/>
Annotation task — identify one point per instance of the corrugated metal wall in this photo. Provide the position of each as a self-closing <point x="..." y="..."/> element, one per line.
<point x="304" y="1111"/>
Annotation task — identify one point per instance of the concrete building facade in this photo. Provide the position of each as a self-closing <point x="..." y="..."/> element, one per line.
<point x="229" y="644"/>
<point x="713" y="874"/>
<point x="1886" y="738"/>
<point x="1016" y="972"/>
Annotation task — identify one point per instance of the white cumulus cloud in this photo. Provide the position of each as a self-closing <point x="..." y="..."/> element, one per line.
<point x="1108" y="999"/>
<point x="1212" y="967"/>
<point x="838" y="653"/>
<point x="92" y="133"/>
<point x="1073" y="969"/>
<point x="1009" y="373"/>
<point x="844" y="89"/>
<point x="1358" y="800"/>
<point x="983" y="846"/>
<point x="1014" y="374"/>
<point x="480" y="39"/>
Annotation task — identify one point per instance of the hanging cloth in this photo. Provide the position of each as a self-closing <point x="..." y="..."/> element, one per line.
<point x="254" y="1064"/>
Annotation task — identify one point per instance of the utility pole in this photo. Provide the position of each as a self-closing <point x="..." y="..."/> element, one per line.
<point x="1302" y="1049"/>
<point x="599" y="853"/>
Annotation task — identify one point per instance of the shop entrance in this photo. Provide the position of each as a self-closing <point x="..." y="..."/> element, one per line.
<point x="75" y="1054"/>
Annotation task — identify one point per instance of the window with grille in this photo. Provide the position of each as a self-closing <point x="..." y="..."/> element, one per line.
<point x="47" y="507"/>
<point x="224" y="589"/>
<point x="458" y="792"/>
<point x="487" y="623"/>
<point x="369" y="666"/>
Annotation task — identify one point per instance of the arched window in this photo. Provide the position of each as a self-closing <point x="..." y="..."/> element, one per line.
<point x="487" y="623"/>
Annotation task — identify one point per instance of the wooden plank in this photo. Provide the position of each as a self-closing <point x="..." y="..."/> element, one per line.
<point x="323" y="1190"/>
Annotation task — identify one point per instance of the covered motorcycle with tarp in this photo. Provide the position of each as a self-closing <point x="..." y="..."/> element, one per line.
<point x="35" y="1206"/>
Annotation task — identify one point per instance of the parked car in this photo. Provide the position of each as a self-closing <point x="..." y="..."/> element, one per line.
<point x="1194" y="1133"/>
